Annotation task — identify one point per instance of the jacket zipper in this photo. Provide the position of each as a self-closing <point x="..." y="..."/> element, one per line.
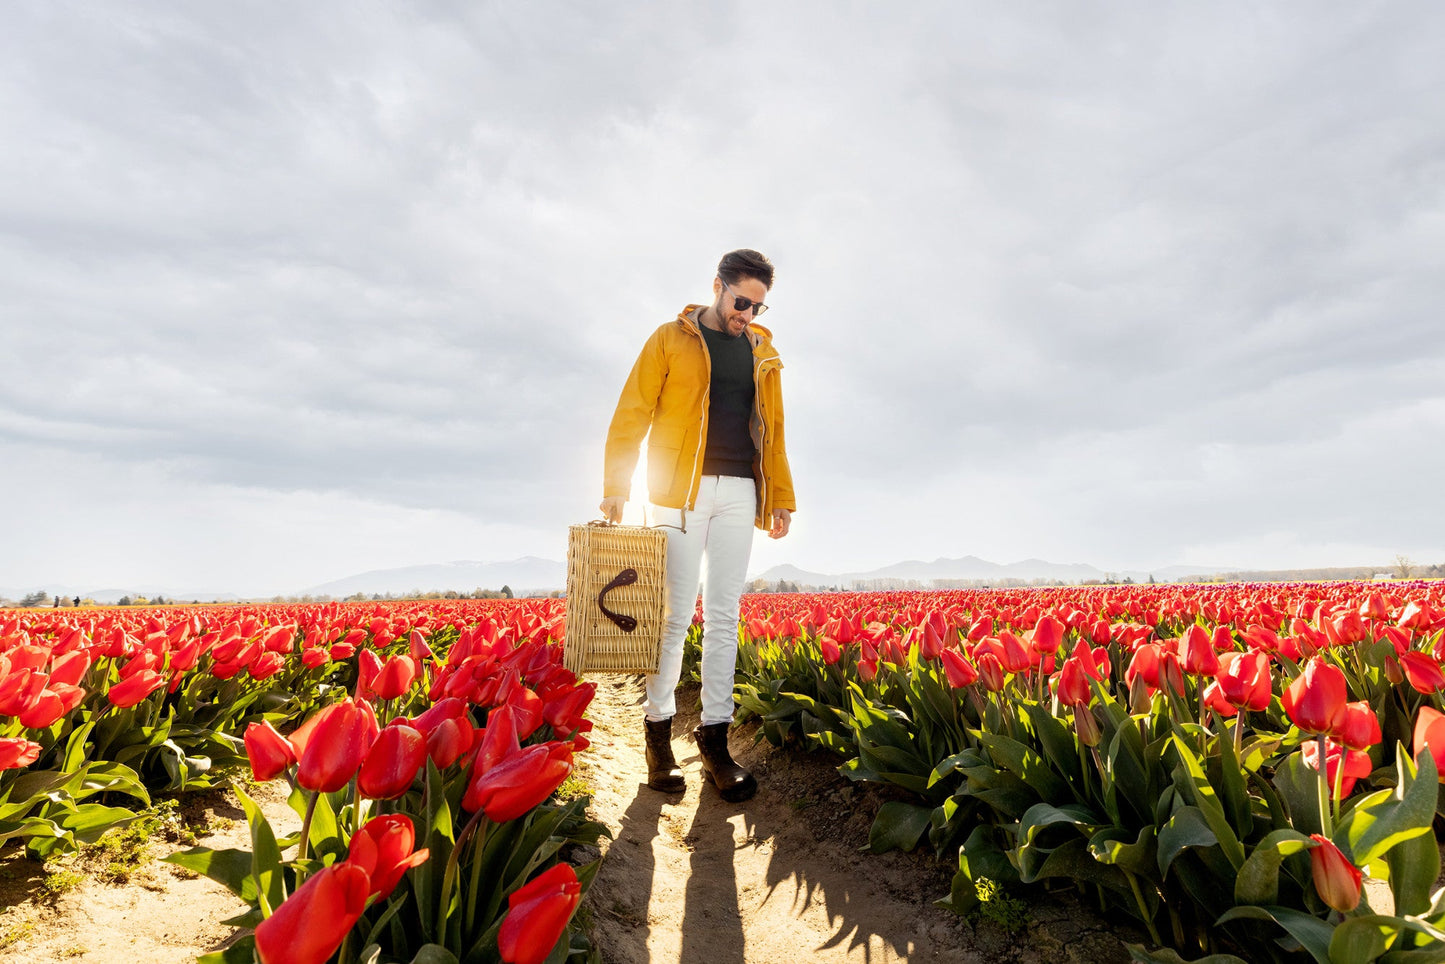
<point x="691" y="501"/>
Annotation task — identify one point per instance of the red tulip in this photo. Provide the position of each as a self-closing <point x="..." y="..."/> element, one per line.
<point x="1430" y="738"/>
<point x="447" y="708"/>
<point x="70" y="668"/>
<point x="368" y="667"/>
<point x="395" y="677"/>
<point x="335" y="745"/>
<point x="990" y="670"/>
<point x="314" y="656"/>
<point x="383" y="848"/>
<point x="1315" y="700"/>
<point x="498" y="740"/>
<point x="537" y="913"/>
<point x="564" y="713"/>
<point x="1422" y="671"/>
<point x="1072" y="685"/>
<point x="47" y="708"/>
<point x="958" y="670"/>
<point x="1200" y="658"/>
<point x="832" y="652"/>
<point x="450" y="740"/>
<point x="930" y="641"/>
<point x="270" y="753"/>
<point x="520" y="782"/>
<point x="135" y="688"/>
<point x="310" y="925"/>
<point x="1048" y="635"/>
<point x="16" y="752"/>
<point x="1337" y="881"/>
<point x="392" y="762"/>
<point x="1215" y="700"/>
<point x="1360" y="728"/>
<point x="1012" y="654"/>
<point x="1374" y="607"/>
<point x="1244" y="680"/>
<point x="266" y="665"/>
<point x="1144" y="666"/>
<point x="417" y="646"/>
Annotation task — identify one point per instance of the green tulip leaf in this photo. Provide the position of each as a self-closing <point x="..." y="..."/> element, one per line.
<point x="1058" y="741"/>
<point x="230" y="868"/>
<point x="1032" y="768"/>
<point x="1360" y="940"/>
<point x="981" y="856"/>
<point x="1258" y="880"/>
<point x="1233" y="794"/>
<point x="241" y="952"/>
<point x="1414" y="867"/>
<point x="1312" y="933"/>
<point x="898" y="826"/>
<point x="1071" y="860"/>
<point x="434" y="954"/>
<point x="1434" y="955"/>
<point x="106" y="777"/>
<point x="1043" y="815"/>
<point x="1139" y="954"/>
<point x="1111" y="846"/>
<point x="29" y="788"/>
<point x="1298" y="789"/>
<point x="1386" y="818"/>
<point x="1208" y="802"/>
<point x="265" y="856"/>
<point x="1186" y="828"/>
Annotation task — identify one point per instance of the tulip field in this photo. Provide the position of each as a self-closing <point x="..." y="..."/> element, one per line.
<point x="1221" y="764"/>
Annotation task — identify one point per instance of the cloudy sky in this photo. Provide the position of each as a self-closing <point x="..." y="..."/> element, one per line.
<point x="290" y="292"/>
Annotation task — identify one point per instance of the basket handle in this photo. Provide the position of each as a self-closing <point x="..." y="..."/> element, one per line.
<point x="624" y="622"/>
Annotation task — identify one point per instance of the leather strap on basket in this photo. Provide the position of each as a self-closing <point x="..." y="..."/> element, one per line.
<point x="624" y="622"/>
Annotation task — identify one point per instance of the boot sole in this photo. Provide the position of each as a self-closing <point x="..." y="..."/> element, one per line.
<point x="736" y="793"/>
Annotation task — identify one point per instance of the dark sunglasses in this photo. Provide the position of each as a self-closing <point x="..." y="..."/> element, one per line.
<point x="743" y="304"/>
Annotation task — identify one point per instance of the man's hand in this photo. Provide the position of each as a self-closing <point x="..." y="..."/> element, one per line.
<point x="782" y="518"/>
<point x="612" y="508"/>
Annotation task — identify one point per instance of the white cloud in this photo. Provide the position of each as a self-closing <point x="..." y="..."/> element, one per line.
<point x="1124" y="287"/>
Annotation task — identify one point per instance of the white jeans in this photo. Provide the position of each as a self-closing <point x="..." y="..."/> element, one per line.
<point x="720" y="526"/>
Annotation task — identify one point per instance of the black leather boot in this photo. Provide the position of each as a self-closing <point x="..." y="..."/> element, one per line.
<point x="733" y="782"/>
<point x="663" y="772"/>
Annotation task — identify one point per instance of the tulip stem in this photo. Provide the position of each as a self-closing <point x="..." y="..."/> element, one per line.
<point x="449" y="876"/>
<point x="355" y="804"/>
<point x="306" y="832"/>
<point x="1335" y="800"/>
<point x="1239" y="737"/>
<point x="471" y="903"/>
<point x="1143" y="908"/>
<point x="1326" y="824"/>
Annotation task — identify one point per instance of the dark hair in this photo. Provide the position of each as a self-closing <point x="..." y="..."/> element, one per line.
<point x="745" y="263"/>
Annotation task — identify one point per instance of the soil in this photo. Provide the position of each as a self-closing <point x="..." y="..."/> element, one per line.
<point x="686" y="877"/>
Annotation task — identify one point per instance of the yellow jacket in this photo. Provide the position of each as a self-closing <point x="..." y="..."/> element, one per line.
<point x="667" y="393"/>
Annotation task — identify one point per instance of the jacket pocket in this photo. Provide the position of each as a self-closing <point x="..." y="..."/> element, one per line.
<point x="662" y="472"/>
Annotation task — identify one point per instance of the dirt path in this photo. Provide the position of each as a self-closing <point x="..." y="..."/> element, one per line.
<point x="778" y="878"/>
<point x="162" y="915"/>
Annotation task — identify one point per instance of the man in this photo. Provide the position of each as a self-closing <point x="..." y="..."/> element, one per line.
<point x="706" y="392"/>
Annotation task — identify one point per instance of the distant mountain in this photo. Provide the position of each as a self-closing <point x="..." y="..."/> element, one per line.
<point x="108" y="597"/>
<point x="975" y="569"/>
<point x="524" y="575"/>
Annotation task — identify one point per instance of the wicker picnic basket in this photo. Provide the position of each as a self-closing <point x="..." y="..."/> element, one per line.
<point x="616" y="598"/>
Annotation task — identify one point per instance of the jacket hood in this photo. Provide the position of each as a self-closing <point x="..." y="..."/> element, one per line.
<point x="761" y="334"/>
